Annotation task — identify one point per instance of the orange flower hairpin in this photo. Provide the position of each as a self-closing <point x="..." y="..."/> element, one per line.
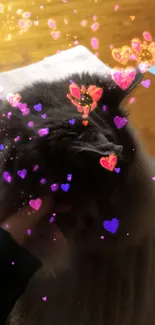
<point x="144" y="52"/>
<point x="84" y="99"/>
<point x="141" y="51"/>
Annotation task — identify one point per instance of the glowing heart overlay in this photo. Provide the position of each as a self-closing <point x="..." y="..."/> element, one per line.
<point x="122" y="55"/>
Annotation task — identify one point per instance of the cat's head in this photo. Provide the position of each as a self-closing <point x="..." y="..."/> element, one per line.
<point x="88" y="162"/>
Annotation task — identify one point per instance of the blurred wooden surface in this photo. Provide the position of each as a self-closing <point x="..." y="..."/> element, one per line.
<point x="73" y="18"/>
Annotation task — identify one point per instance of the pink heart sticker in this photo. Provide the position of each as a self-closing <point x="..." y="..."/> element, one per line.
<point x="13" y="99"/>
<point x="44" y="298"/>
<point x="95" y="26"/>
<point x="24" y="24"/>
<point x="51" y="23"/>
<point x="94" y="43"/>
<point x="35" y="204"/>
<point x="55" y="34"/>
<point x="124" y="78"/>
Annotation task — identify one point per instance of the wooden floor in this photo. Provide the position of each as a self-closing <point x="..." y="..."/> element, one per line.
<point x="118" y="24"/>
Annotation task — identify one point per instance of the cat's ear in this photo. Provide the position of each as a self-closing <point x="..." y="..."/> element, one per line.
<point x="119" y="84"/>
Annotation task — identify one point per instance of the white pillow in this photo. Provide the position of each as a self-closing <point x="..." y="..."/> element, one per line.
<point x="77" y="59"/>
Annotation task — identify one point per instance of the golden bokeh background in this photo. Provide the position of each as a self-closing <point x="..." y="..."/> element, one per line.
<point x="119" y="22"/>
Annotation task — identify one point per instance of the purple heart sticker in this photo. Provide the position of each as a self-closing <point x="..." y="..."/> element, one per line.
<point x="36" y="167"/>
<point x="117" y="170"/>
<point x="52" y="219"/>
<point x="43" y="181"/>
<point x="72" y="121"/>
<point x="44" y="298"/>
<point x="104" y="108"/>
<point x="69" y="177"/>
<point x="111" y="225"/>
<point x="120" y="122"/>
<point x="22" y="173"/>
<point x="17" y="138"/>
<point x="43" y="132"/>
<point x="65" y="187"/>
<point x="29" y="231"/>
<point x="54" y="187"/>
<point x="146" y="83"/>
<point x="30" y="124"/>
<point x="43" y="116"/>
<point x="38" y="107"/>
<point x="9" y="115"/>
<point x="7" y="177"/>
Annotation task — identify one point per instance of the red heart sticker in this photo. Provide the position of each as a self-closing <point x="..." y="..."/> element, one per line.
<point x="109" y="162"/>
<point x="85" y="122"/>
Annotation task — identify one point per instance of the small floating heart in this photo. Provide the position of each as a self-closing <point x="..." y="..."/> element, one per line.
<point x="24" y="24"/>
<point x="43" y="132"/>
<point x="13" y="99"/>
<point x="121" y="55"/>
<point x="117" y="170"/>
<point x="43" y="116"/>
<point x="94" y="43"/>
<point x="51" y="23"/>
<point x="65" y="187"/>
<point x="109" y="162"/>
<point x="69" y="177"/>
<point x="55" y="34"/>
<point x="95" y="26"/>
<point x="7" y="177"/>
<point x="85" y="122"/>
<point x="36" y="167"/>
<point x="72" y="121"/>
<point x="35" y="204"/>
<point x="146" y="83"/>
<point x="38" y="107"/>
<point x="54" y="187"/>
<point x="132" y="18"/>
<point x="44" y="298"/>
<point x="22" y="173"/>
<point x="111" y="225"/>
<point x="120" y="122"/>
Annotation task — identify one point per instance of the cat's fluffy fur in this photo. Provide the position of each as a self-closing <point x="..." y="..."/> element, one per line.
<point x="86" y="280"/>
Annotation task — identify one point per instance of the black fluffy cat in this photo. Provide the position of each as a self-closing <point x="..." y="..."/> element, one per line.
<point x="92" y="274"/>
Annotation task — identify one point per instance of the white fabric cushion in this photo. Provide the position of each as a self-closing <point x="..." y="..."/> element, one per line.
<point x="78" y="59"/>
